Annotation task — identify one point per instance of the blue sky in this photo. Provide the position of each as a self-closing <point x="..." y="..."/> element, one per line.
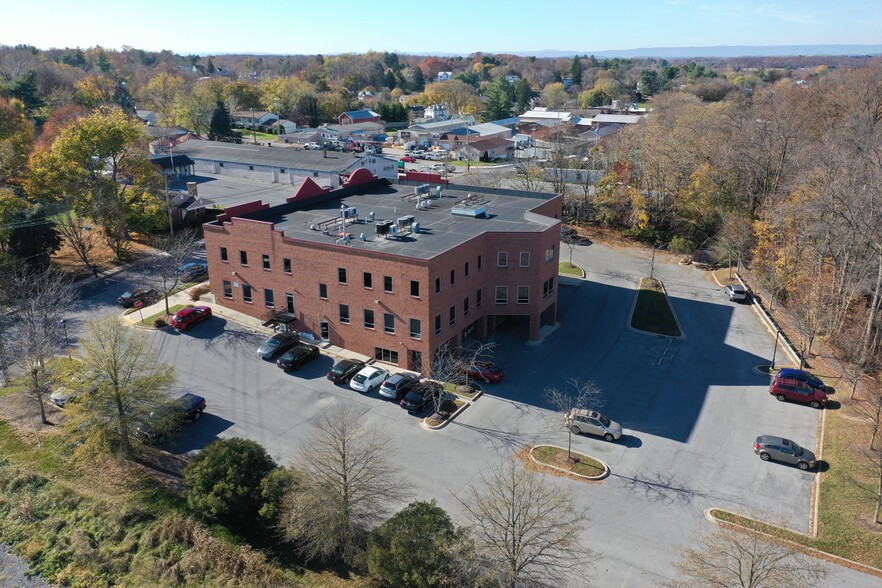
<point x="419" y="26"/>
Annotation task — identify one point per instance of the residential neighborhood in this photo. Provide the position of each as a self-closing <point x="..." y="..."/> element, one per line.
<point x="285" y="309"/>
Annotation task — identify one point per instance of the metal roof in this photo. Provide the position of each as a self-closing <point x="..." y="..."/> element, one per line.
<point x="363" y="113"/>
<point x="280" y="157"/>
<point x="624" y="119"/>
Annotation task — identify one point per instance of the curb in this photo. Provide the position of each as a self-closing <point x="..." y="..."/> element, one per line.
<point x="429" y="427"/>
<point x="811" y="551"/>
<point x="568" y="472"/>
<point x="577" y="266"/>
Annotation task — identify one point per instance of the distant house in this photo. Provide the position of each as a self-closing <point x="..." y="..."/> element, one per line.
<point x="248" y="119"/>
<point x="512" y="78"/>
<point x="284" y="126"/>
<point x="489" y="149"/>
<point x="365" y="94"/>
<point x="149" y="117"/>
<point x="430" y="133"/>
<point x="436" y="112"/>
<point x="178" y="166"/>
<point x="602" y="120"/>
<point x="415" y="112"/>
<point x="567" y="83"/>
<point x="444" y="76"/>
<point x="352" y="117"/>
<point x="542" y="113"/>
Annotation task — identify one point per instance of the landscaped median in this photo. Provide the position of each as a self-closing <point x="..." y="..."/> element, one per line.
<point x="457" y="399"/>
<point x="573" y="463"/>
<point x="652" y="313"/>
<point x="570" y="269"/>
<point x="805" y="543"/>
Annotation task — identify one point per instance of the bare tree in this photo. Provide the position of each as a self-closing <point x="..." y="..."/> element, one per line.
<point x="454" y="364"/>
<point x="78" y="234"/>
<point x="529" y="176"/>
<point x="748" y="559"/>
<point x="869" y="410"/>
<point x="577" y="394"/>
<point x="344" y="484"/>
<point x="124" y="385"/>
<point x="39" y="300"/>
<point x="870" y="482"/>
<point x="173" y="252"/>
<point x="570" y="239"/>
<point x="525" y="526"/>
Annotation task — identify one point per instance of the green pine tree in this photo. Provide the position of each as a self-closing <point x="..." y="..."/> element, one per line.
<point x="576" y="70"/>
<point x="220" y="128"/>
<point x="499" y="97"/>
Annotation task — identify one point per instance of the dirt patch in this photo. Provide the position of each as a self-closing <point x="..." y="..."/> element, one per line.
<point x="22" y="412"/>
<point x="523" y="454"/>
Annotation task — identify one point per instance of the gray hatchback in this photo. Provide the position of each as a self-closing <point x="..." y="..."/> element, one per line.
<point x="784" y="450"/>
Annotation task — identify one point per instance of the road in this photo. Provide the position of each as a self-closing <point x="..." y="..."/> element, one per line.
<point x="691" y="409"/>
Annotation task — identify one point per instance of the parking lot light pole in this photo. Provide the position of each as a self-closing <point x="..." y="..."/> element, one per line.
<point x="66" y="345"/>
<point x="775" y="350"/>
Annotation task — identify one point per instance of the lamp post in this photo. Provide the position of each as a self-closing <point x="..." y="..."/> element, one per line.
<point x="775" y="350"/>
<point x="64" y="326"/>
<point x="253" y="127"/>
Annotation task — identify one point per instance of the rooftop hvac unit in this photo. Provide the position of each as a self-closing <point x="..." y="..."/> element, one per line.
<point x="393" y="230"/>
<point x="350" y="212"/>
<point x="383" y="227"/>
<point x="438" y="192"/>
<point x="416" y="227"/>
<point x="405" y="221"/>
<point x="371" y="216"/>
<point x="362" y="237"/>
<point x="313" y="227"/>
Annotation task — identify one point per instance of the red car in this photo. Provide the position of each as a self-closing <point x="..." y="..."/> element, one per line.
<point x="408" y="159"/>
<point x="485" y="371"/>
<point x="187" y="317"/>
<point x="792" y="389"/>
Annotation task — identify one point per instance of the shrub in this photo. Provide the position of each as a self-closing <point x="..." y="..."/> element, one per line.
<point x="198" y="291"/>
<point x="409" y="549"/>
<point x="224" y="481"/>
<point x="681" y="245"/>
<point x="159" y="323"/>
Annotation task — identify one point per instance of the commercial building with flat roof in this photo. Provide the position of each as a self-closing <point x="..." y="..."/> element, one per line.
<point x="392" y="271"/>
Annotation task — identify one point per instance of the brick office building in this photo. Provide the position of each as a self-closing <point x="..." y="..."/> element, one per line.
<point x="412" y="270"/>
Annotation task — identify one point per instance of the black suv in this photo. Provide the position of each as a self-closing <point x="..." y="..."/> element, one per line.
<point x="344" y="369"/>
<point x="167" y="419"/>
<point x="297" y="356"/>
<point x="145" y="296"/>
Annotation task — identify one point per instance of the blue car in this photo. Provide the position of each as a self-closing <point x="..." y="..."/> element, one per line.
<point x="806" y="378"/>
<point x="192" y="271"/>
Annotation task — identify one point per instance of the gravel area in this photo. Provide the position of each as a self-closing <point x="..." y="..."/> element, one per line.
<point x="14" y="572"/>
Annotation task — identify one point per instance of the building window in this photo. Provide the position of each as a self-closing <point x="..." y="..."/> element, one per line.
<point x="523" y="295"/>
<point x="221" y="164"/>
<point x="479" y="298"/>
<point x="269" y="298"/>
<point x="480" y="262"/>
<point x="323" y="291"/>
<point x="387" y="284"/>
<point x="525" y="259"/>
<point x="465" y="306"/>
<point x="502" y="259"/>
<point x="386" y="355"/>
<point x="438" y="324"/>
<point x="246" y="292"/>
<point x="282" y="170"/>
<point x="315" y="174"/>
<point x="228" y="289"/>
<point x="368" y="280"/>
<point x="250" y="168"/>
<point x="453" y="315"/>
<point x="243" y="257"/>
<point x="416" y="329"/>
<point x="388" y="322"/>
<point x="415" y="288"/>
<point x="501" y="294"/>
<point x="341" y="275"/>
<point x="344" y="314"/>
<point x="548" y="287"/>
<point x="467" y="272"/>
<point x="368" y="318"/>
<point x="286" y="265"/>
<point x="452" y="277"/>
<point x="549" y="253"/>
<point x="223" y="252"/>
<point x="437" y="285"/>
<point x="266" y="262"/>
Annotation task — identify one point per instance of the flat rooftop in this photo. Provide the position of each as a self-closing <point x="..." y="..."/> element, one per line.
<point x="277" y="156"/>
<point x="439" y="229"/>
<point x="230" y="190"/>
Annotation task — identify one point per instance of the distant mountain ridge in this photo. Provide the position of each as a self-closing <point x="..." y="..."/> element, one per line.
<point x="714" y="51"/>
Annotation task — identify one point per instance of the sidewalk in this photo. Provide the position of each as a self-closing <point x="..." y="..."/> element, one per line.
<point x="249" y="322"/>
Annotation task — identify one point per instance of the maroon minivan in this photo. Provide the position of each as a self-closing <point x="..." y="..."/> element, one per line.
<point x="790" y="389"/>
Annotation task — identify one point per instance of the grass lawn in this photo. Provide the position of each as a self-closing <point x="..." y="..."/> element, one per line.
<point x="249" y="134"/>
<point x="451" y="405"/>
<point x="148" y="322"/>
<point x="569" y="269"/>
<point x="652" y="312"/>
<point x="557" y="457"/>
<point x="458" y="163"/>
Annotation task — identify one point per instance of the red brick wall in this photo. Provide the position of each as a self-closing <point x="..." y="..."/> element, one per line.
<point x="318" y="263"/>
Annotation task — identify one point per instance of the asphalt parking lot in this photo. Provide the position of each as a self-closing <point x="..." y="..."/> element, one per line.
<point x="691" y="409"/>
